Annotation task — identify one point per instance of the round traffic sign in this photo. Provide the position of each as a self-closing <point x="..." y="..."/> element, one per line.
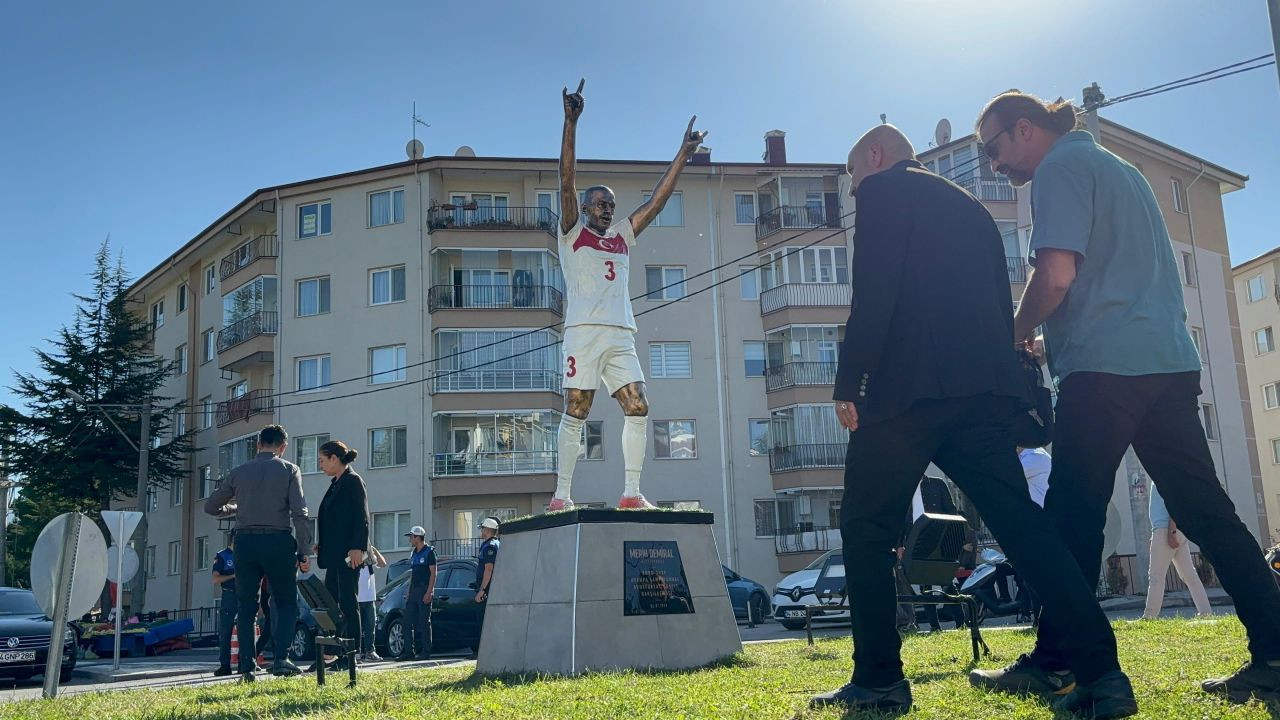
<point x="88" y="553"/>
<point x="130" y="563"/>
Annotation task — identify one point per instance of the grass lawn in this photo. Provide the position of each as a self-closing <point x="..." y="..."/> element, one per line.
<point x="1166" y="659"/>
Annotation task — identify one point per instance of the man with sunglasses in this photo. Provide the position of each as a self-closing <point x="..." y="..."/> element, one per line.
<point x="1106" y="287"/>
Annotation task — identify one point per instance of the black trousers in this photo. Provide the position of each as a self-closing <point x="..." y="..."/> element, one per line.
<point x="417" y="624"/>
<point x="274" y="555"/>
<point x="1098" y="417"/>
<point x="343" y="584"/>
<point x="970" y="440"/>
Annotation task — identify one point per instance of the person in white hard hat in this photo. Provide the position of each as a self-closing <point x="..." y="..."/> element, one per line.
<point x="417" y="602"/>
<point x="487" y="556"/>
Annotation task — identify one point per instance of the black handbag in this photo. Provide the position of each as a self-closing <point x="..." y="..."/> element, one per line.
<point x="1033" y="425"/>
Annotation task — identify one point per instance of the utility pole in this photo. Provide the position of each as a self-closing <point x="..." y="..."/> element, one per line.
<point x="144" y="457"/>
<point x="1093" y="97"/>
<point x="1273" y="9"/>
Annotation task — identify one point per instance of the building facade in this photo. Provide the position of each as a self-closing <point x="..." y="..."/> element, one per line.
<point x="1258" y="304"/>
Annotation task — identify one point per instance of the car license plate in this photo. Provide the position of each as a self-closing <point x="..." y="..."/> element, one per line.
<point x="795" y="613"/>
<point x="15" y="656"/>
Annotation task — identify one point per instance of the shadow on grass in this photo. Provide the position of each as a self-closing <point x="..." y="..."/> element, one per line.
<point x="477" y="681"/>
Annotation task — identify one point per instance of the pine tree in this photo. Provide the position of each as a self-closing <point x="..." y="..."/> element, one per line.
<point x="67" y="456"/>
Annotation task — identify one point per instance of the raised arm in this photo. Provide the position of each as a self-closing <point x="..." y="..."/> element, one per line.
<point x="569" y="211"/>
<point x="645" y="214"/>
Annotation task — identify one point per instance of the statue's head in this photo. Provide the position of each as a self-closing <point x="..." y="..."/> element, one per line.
<point x="598" y="207"/>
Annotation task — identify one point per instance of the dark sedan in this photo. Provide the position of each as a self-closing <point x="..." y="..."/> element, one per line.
<point x="455" y="619"/>
<point x="24" y="637"/>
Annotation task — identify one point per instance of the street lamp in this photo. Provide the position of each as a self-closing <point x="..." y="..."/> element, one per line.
<point x="143" y="448"/>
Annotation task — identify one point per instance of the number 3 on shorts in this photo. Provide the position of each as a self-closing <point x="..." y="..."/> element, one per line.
<point x="611" y="275"/>
<point x="573" y="367"/>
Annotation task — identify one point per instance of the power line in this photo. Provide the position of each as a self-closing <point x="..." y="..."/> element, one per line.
<point x="1206" y="76"/>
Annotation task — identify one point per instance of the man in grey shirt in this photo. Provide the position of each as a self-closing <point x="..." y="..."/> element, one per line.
<point x="267" y="493"/>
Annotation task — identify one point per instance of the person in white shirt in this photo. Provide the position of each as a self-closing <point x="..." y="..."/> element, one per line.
<point x="366" y="593"/>
<point x="1036" y="464"/>
<point x="599" y="337"/>
<point x="1169" y="545"/>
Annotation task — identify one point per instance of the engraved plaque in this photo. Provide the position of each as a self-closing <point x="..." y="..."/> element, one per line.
<point x="653" y="579"/>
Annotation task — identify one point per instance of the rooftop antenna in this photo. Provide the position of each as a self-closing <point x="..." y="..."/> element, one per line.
<point x="415" y="149"/>
<point x="884" y="119"/>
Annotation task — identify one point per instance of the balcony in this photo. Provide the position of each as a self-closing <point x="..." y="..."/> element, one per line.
<point x="799" y="374"/>
<point x="1017" y="269"/>
<point x="262" y="246"/>
<point x="802" y="217"/>
<point x="495" y="297"/>
<point x="486" y="217"/>
<point x="989" y="189"/>
<point x="242" y="408"/>
<point x="447" y="548"/>
<point x="248" y="328"/>
<point x="511" y="462"/>
<point x="805" y="538"/>
<point x="805" y="457"/>
<point x="791" y="295"/>
<point x="486" y="379"/>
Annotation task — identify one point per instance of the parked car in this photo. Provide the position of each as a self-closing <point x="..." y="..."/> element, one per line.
<point x="455" y="619"/>
<point x="24" y="637"/>
<point x="795" y="591"/>
<point x="302" y="646"/>
<point x="749" y="598"/>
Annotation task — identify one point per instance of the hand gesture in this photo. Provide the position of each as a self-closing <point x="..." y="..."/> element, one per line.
<point x="692" y="138"/>
<point x="573" y="103"/>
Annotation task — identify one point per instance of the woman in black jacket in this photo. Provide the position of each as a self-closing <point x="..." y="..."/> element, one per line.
<point x="342" y="532"/>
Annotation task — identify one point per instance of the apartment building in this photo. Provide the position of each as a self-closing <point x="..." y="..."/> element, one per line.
<point x="1258" y="303"/>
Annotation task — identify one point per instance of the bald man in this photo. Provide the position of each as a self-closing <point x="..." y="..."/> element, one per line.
<point x="927" y="373"/>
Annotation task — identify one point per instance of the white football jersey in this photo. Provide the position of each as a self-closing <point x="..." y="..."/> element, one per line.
<point x="596" y="275"/>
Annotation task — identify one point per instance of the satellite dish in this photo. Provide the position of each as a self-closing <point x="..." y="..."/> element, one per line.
<point x="464" y="151"/>
<point x="1111" y="532"/>
<point x="88" y="555"/>
<point x="413" y="149"/>
<point x="130" y="564"/>
<point x="942" y="134"/>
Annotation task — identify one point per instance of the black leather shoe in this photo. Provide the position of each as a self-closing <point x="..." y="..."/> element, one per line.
<point x="222" y="672"/>
<point x="1024" y="676"/>
<point x="895" y="698"/>
<point x="247" y="677"/>
<point x="285" y="668"/>
<point x="1110" y="696"/>
<point x="1253" y="679"/>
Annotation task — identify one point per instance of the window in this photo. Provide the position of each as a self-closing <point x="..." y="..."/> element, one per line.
<point x="766" y="519"/>
<point x="210" y="279"/>
<point x="823" y="264"/>
<point x="1264" y="340"/>
<point x="1210" y="421"/>
<point x="153" y="501"/>
<point x="592" y="440"/>
<point x="744" y="208"/>
<point x="833" y="513"/>
<point x="149" y="561"/>
<point x="238" y="390"/>
<point x="1188" y="270"/>
<point x="209" y="341"/>
<point x="386" y="207"/>
<point x="664" y="282"/>
<point x="669" y="360"/>
<point x="175" y="557"/>
<point x="389" y="529"/>
<point x="182" y="298"/>
<point x="315" y="219"/>
<point x="753" y="357"/>
<point x="748" y="282"/>
<point x="306" y="452"/>
<point x="460" y="576"/>
<point x="179" y="424"/>
<point x="313" y="296"/>
<point x="313" y="373"/>
<point x="1179" y="198"/>
<point x="1257" y="288"/>
<point x="206" y="412"/>
<point x="157" y="315"/>
<point x="205" y="476"/>
<point x="387" y="364"/>
<point x="1275" y="451"/>
<point x="180" y="359"/>
<point x="672" y="214"/>
<point x="386" y="285"/>
<point x="202" y="553"/>
<point x="675" y="440"/>
<point x="1271" y="396"/>
<point x="758" y="437"/>
<point x="389" y="447"/>
<point x="1197" y="337"/>
<point x="176" y="492"/>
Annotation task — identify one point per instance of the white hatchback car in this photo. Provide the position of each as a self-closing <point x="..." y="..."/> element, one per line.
<point x="795" y="591"/>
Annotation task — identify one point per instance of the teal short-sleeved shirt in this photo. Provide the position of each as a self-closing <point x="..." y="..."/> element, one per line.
<point x="1125" y="312"/>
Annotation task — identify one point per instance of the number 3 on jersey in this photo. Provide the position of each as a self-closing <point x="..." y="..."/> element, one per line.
<point x="573" y="367"/>
<point x="611" y="275"/>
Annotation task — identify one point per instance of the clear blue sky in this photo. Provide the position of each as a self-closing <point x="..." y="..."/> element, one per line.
<point x="149" y="122"/>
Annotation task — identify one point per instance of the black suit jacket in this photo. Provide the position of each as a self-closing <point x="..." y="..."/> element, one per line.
<point x="932" y="315"/>
<point x="343" y="521"/>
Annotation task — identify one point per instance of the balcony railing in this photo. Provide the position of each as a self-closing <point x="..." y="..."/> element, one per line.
<point x="795" y="374"/>
<point x="805" y="295"/>
<point x="248" y="328"/>
<point x="496" y="297"/>
<point x="989" y="189"/>
<point x="488" y="217"/>
<point x="801" y="457"/>
<point x="457" y="547"/>
<point x="790" y="217"/>
<point x="496" y="379"/>
<point x="806" y="537"/>
<point x="518" y="462"/>
<point x="263" y="246"/>
<point x="246" y="406"/>
<point x="1017" y="269"/>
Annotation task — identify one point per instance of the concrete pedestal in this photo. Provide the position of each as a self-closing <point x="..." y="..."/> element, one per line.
<point x="564" y="602"/>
